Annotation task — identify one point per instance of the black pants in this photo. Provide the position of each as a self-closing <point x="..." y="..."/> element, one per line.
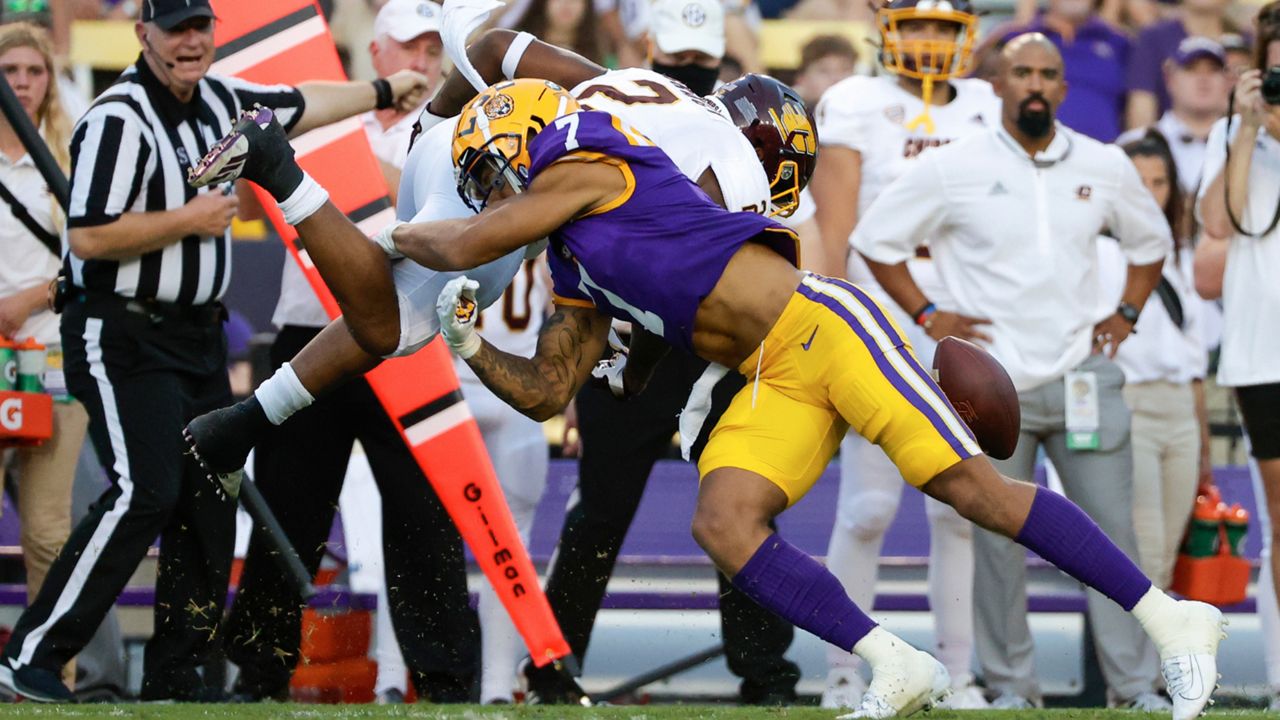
<point x="299" y="467"/>
<point x="141" y="381"/>
<point x="620" y="443"/>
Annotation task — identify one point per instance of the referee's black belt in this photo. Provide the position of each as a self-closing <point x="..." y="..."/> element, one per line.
<point x="158" y="311"/>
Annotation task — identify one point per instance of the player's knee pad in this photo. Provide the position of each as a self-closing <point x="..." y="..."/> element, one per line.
<point x="868" y="514"/>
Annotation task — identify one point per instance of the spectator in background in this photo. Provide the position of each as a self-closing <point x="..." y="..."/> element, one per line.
<point x="687" y="41"/>
<point x="1239" y="54"/>
<point x="824" y="61"/>
<point x="30" y="256"/>
<point x="1164" y="364"/>
<point x="1096" y="54"/>
<point x="1238" y="201"/>
<point x="1198" y="84"/>
<point x="1148" y="97"/>
<point x="570" y="24"/>
<point x="422" y="550"/>
<point x="406" y="36"/>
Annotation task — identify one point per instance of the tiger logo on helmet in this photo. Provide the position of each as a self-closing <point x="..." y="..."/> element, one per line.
<point x="491" y="140"/>
<point x="927" y="58"/>
<point x="774" y="118"/>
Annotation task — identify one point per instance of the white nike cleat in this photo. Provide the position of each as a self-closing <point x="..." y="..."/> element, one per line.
<point x="903" y="685"/>
<point x="1187" y="640"/>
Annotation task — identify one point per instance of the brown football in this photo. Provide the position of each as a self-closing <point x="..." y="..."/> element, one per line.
<point x="982" y="394"/>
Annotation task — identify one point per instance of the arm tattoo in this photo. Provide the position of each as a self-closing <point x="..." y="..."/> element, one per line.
<point x="542" y="385"/>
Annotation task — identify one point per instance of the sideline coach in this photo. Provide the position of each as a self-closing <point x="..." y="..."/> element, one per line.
<point x="142" y="330"/>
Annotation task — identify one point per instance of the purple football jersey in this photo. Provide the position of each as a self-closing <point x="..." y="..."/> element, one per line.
<point x="652" y="255"/>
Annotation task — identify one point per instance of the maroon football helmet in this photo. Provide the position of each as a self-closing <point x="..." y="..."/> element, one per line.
<point x="774" y="118"/>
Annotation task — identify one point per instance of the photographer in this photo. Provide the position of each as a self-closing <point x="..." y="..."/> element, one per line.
<point x="1241" y="201"/>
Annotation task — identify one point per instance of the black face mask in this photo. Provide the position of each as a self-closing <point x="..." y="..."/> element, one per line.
<point x="701" y="80"/>
<point x="1034" y="123"/>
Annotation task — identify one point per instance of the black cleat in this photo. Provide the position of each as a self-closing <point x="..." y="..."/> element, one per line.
<point x="220" y="442"/>
<point x="553" y="684"/>
<point x="35" y="683"/>
<point x="256" y="149"/>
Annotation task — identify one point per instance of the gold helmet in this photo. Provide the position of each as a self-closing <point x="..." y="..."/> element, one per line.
<point x="932" y="59"/>
<point x="491" y="141"/>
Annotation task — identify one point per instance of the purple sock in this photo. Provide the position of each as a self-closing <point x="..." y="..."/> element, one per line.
<point x="1063" y="534"/>
<point x="799" y="589"/>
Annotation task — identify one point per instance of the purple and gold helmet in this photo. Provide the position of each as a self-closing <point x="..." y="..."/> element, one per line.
<point x="918" y="58"/>
<point x="774" y="118"/>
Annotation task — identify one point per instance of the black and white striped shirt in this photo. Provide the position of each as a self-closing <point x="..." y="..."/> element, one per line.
<point x="130" y="153"/>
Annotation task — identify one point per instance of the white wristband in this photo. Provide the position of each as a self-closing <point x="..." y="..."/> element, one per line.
<point x="515" y="52"/>
<point x="467" y="348"/>
<point x="384" y="240"/>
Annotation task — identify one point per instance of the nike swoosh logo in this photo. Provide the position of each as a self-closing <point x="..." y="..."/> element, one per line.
<point x="810" y="340"/>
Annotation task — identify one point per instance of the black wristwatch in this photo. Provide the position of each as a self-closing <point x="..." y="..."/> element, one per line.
<point x="1128" y="312"/>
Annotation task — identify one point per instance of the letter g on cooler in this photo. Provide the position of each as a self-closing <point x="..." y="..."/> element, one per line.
<point x="11" y="414"/>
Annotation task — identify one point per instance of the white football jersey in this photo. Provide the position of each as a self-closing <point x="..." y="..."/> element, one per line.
<point x="870" y="115"/>
<point x="694" y="132"/>
<point x="512" y="323"/>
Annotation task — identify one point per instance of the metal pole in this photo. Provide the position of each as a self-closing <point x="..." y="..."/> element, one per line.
<point x="662" y="673"/>
<point x="284" y="552"/>
<point x="31" y="140"/>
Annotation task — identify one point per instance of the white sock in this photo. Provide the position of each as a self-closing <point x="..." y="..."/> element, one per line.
<point x="282" y="395"/>
<point x="879" y="646"/>
<point x="1152" y="604"/>
<point x="307" y="198"/>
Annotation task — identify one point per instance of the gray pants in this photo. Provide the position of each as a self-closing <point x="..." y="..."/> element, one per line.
<point x="1101" y="483"/>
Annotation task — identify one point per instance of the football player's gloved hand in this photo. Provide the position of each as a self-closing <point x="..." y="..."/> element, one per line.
<point x="610" y="370"/>
<point x="384" y="241"/>
<point x="456" y="307"/>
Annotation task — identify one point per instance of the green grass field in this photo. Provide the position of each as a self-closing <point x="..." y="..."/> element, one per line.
<point x="430" y="712"/>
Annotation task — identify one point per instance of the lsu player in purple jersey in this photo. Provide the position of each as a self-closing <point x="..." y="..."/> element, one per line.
<point x="631" y="238"/>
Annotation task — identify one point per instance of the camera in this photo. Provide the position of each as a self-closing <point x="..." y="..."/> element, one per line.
<point x="1271" y="85"/>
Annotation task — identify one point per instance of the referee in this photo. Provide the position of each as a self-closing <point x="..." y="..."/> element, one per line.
<point x="142" y="332"/>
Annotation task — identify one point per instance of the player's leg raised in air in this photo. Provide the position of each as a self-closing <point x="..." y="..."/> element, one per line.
<point x="356" y="270"/>
<point x="388" y="309"/>
<point x="833" y="360"/>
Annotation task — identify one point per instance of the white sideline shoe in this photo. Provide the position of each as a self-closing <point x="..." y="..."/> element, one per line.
<point x="845" y="687"/>
<point x="1188" y="647"/>
<point x="969" y="697"/>
<point x="1013" y="701"/>
<point x="912" y="681"/>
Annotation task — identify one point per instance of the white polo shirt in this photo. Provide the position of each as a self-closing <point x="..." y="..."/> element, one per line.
<point x="1014" y="238"/>
<point x="24" y="261"/>
<point x="1250" y="290"/>
<point x="298" y="304"/>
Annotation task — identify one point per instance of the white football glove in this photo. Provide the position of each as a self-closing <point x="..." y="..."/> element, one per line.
<point x="384" y="241"/>
<point x="457" y="309"/>
<point x="610" y="370"/>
